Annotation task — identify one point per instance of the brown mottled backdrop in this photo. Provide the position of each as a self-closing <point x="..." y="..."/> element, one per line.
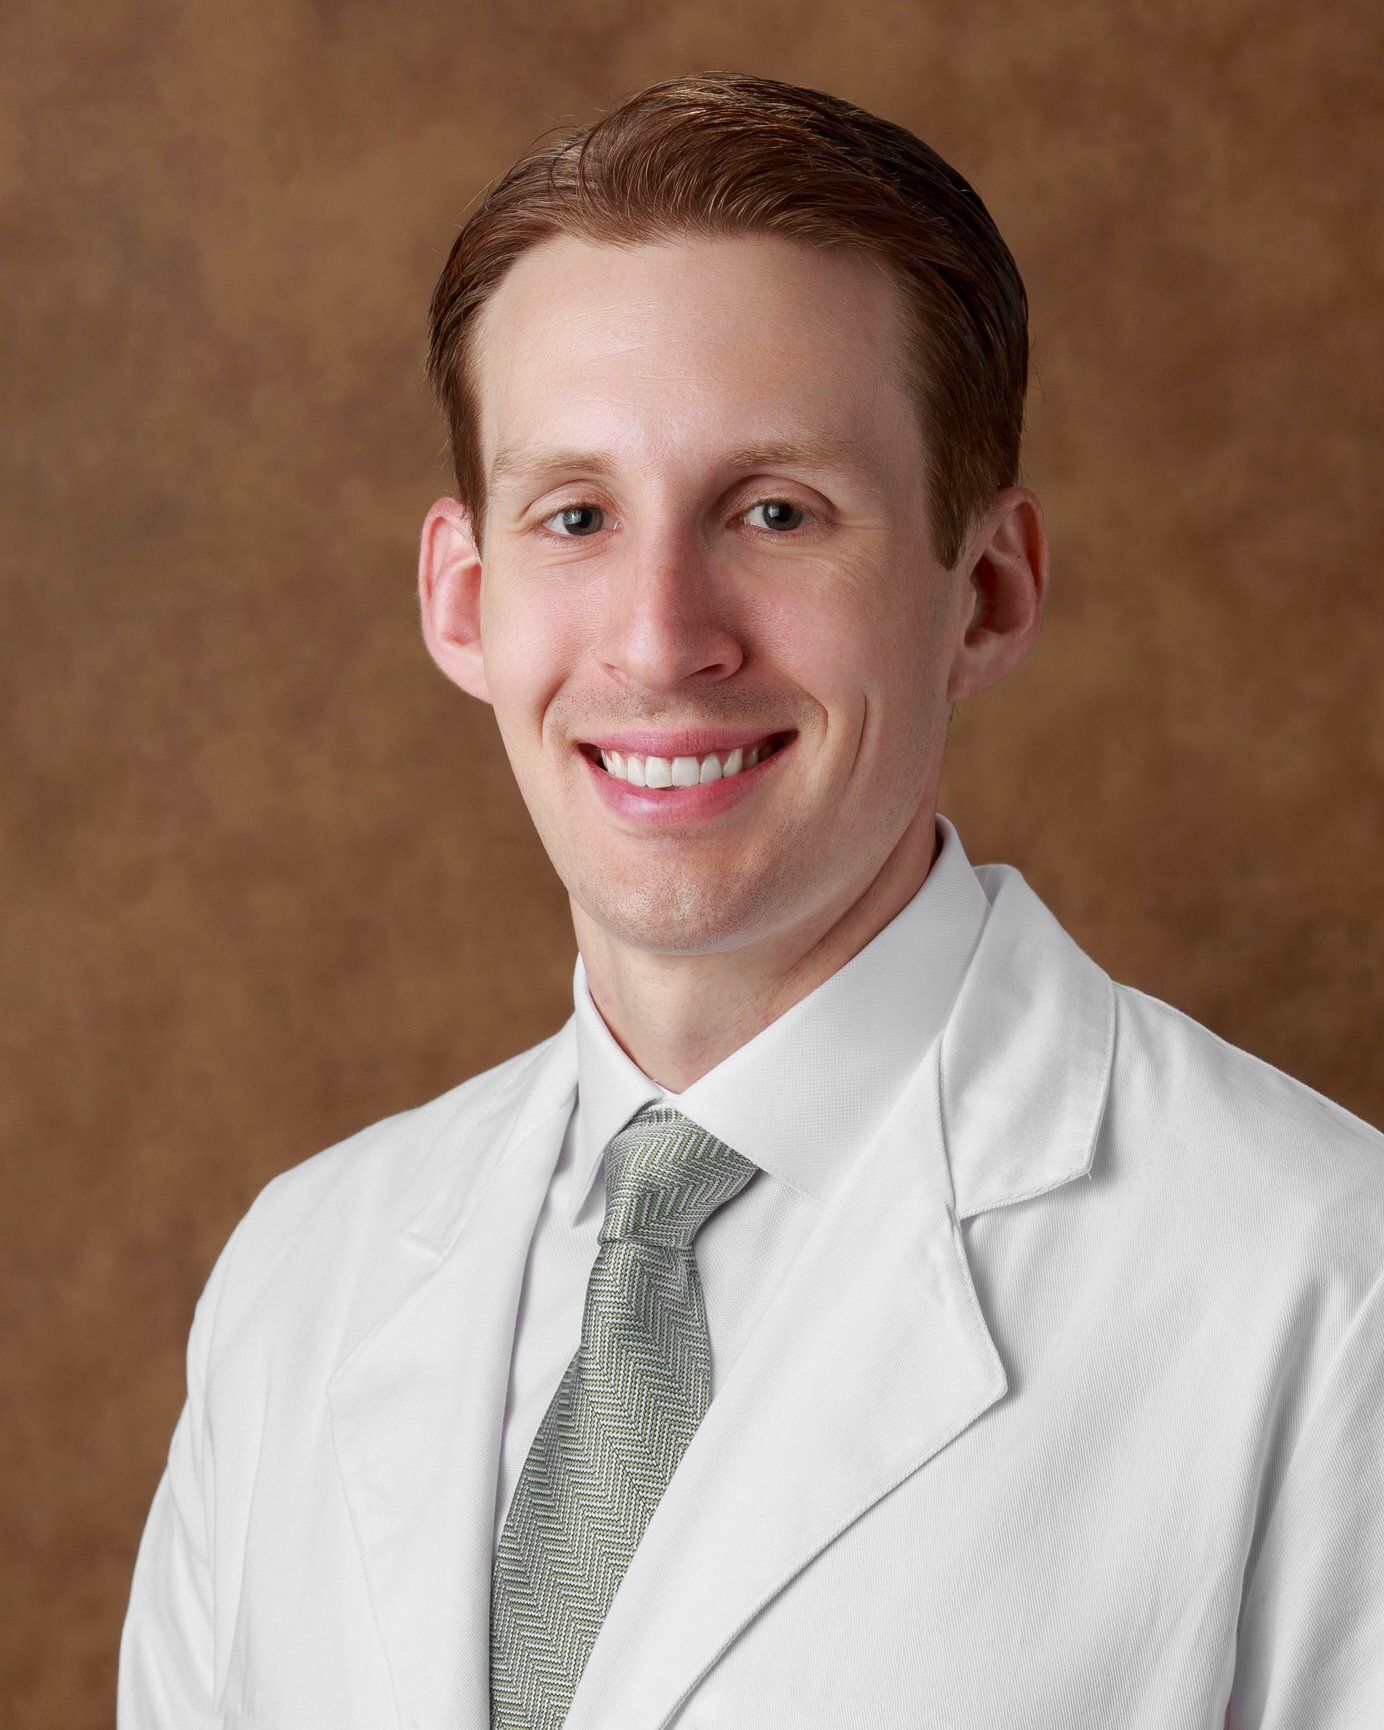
<point x="267" y="877"/>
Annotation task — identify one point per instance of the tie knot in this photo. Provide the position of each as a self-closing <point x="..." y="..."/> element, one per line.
<point x="666" y="1176"/>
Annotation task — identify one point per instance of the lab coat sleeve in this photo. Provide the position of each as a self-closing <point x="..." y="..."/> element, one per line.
<point x="165" y="1675"/>
<point x="1311" y="1639"/>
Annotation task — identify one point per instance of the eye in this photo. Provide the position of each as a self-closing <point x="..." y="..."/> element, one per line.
<point x="778" y="506"/>
<point x="576" y="524"/>
<point x="566" y="513"/>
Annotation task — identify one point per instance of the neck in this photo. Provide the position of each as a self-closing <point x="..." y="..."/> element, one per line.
<point x="678" y="1016"/>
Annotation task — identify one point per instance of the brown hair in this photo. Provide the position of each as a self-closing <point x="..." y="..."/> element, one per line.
<point x="727" y="153"/>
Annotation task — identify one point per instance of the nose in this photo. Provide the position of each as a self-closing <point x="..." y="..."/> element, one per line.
<point x="665" y="619"/>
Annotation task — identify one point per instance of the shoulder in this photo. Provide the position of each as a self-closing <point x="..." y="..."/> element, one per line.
<point x="340" y="1202"/>
<point x="1291" y="1175"/>
<point x="379" y="1164"/>
<point x="1223" y="1090"/>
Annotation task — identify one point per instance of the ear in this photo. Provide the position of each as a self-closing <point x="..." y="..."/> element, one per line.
<point x="1003" y="595"/>
<point x="449" y="596"/>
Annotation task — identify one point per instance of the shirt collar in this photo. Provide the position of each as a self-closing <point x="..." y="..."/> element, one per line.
<point x="806" y="1094"/>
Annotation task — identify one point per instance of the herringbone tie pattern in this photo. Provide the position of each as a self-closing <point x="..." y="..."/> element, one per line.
<point x="625" y="1410"/>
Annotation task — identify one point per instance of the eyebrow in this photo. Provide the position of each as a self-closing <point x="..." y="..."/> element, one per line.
<point x="819" y="451"/>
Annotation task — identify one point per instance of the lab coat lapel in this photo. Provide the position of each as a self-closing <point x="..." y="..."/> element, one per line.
<point x="417" y="1403"/>
<point x="871" y="1356"/>
<point x="874" y="1353"/>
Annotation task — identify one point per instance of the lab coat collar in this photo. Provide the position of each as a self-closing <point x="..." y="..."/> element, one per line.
<point x="804" y="1096"/>
<point x="1025" y="1065"/>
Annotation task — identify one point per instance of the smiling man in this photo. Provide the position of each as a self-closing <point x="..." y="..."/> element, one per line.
<point x="710" y="616"/>
<point x="862" y="1310"/>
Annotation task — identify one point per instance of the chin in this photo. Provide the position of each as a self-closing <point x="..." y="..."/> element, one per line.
<point x="669" y="916"/>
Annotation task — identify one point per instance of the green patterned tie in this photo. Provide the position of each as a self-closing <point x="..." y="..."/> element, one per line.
<point x="625" y="1410"/>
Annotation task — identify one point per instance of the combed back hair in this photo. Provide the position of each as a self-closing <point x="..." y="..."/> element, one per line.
<point x="726" y="154"/>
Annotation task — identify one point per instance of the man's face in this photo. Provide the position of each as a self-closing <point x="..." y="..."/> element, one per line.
<point x="688" y="581"/>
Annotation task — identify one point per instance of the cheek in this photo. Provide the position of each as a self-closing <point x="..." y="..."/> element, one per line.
<point x="808" y="637"/>
<point x="884" y="674"/>
<point x="850" y="653"/>
<point x="908" y="644"/>
<point x="529" y="651"/>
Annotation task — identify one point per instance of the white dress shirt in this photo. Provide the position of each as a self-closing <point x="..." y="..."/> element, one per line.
<point x="802" y="1100"/>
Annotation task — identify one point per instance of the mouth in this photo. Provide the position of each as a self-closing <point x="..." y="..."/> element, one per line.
<point x="765" y="748"/>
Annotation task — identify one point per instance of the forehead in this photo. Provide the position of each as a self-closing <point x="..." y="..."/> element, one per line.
<point x="752" y="337"/>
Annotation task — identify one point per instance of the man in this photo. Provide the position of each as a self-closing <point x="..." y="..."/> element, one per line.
<point x="862" y="1311"/>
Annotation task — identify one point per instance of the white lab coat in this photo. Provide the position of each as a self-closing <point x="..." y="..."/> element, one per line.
<point x="1068" y="1415"/>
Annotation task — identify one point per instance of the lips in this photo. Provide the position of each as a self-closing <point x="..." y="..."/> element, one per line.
<point x="679" y="810"/>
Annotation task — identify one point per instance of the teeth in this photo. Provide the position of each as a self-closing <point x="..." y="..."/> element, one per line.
<point x="679" y="771"/>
